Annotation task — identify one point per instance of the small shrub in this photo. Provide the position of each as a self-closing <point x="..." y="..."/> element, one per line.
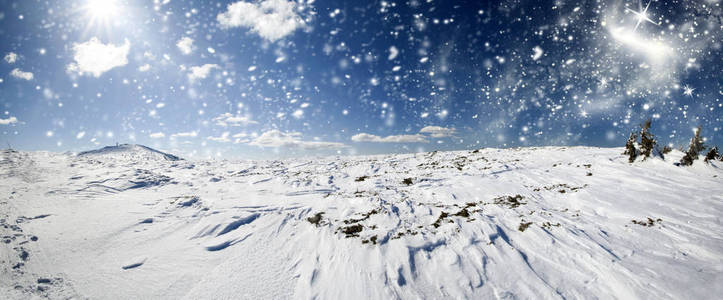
<point x="712" y="154"/>
<point x="647" y="223"/>
<point x="462" y="213"/>
<point x="437" y="223"/>
<point x="694" y="149"/>
<point x="648" y="144"/>
<point x="353" y="230"/>
<point x="630" y="149"/>
<point x="523" y="226"/>
<point x="315" y="219"/>
<point x="510" y="201"/>
<point x="667" y="149"/>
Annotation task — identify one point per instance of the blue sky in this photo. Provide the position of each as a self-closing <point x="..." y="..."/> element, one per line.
<point x="278" y="78"/>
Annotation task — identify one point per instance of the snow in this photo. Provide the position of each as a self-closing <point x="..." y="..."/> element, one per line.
<point x="537" y="53"/>
<point x="393" y="52"/>
<point x="127" y="222"/>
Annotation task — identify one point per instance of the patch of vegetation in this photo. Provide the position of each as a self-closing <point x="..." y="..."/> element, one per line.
<point x="523" y="226"/>
<point x="361" y="178"/>
<point x="352" y="231"/>
<point x="315" y="219"/>
<point x="364" y="217"/>
<point x="510" y="201"/>
<point x="359" y="194"/>
<point x="408" y="181"/>
<point x="462" y="213"/>
<point x="649" y="223"/>
<point x="441" y="218"/>
<point x="372" y="239"/>
<point x="460" y="162"/>
<point x="403" y="233"/>
<point x="548" y="225"/>
<point x="562" y="187"/>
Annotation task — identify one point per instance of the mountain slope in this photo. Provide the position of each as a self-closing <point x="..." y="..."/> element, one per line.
<point x="516" y="223"/>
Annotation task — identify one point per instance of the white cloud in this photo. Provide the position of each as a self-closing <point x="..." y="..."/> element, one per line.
<point x="201" y="72"/>
<point x="149" y="55"/>
<point x="144" y="68"/>
<point x="656" y="51"/>
<point x="157" y="135"/>
<point x="298" y="114"/>
<point x="96" y="58"/>
<point x="438" y="132"/>
<point x="405" y="138"/>
<point x="185" y="44"/>
<point x="11" y="120"/>
<point x="241" y="138"/>
<point x="184" y="134"/>
<point x="221" y="139"/>
<point x="277" y="139"/>
<point x="11" y="57"/>
<point x="20" y="74"/>
<point x="227" y="119"/>
<point x="270" y="19"/>
<point x="80" y="135"/>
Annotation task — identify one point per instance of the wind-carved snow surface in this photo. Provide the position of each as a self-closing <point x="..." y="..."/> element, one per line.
<point x="517" y="223"/>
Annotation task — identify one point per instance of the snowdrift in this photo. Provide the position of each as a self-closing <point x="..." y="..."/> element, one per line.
<point x="516" y="223"/>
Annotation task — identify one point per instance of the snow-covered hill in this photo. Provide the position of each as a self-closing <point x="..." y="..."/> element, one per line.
<point x="129" y="152"/>
<point x="517" y="223"/>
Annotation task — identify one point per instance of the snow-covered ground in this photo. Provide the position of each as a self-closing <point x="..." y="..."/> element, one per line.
<point x="129" y="222"/>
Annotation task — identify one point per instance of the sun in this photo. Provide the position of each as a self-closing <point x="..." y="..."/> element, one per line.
<point x="101" y="11"/>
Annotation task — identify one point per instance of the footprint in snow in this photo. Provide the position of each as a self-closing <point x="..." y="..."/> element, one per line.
<point x="135" y="263"/>
<point x="146" y="221"/>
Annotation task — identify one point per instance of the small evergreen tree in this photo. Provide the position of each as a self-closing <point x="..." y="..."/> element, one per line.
<point x="712" y="154"/>
<point x="647" y="140"/>
<point x="694" y="149"/>
<point x="667" y="149"/>
<point x="630" y="149"/>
